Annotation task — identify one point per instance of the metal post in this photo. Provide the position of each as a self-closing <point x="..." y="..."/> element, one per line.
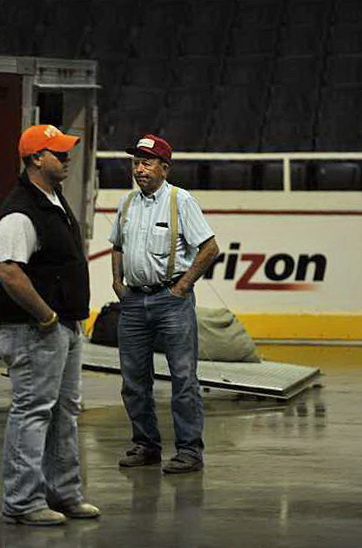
<point x="286" y="174"/>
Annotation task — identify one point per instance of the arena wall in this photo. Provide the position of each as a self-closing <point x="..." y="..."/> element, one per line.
<point x="289" y="267"/>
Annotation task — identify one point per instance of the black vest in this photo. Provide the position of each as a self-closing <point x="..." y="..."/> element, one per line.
<point x="58" y="270"/>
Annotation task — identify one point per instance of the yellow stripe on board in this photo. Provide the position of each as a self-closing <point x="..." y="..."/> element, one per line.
<point x="302" y="326"/>
<point x="288" y="326"/>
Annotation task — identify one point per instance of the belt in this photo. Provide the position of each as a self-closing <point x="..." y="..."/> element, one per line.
<point x="151" y="289"/>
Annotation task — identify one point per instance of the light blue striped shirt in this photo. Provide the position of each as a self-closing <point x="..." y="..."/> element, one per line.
<point x="146" y="235"/>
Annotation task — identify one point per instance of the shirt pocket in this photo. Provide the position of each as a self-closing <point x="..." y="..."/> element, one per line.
<point x="160" y="241"/>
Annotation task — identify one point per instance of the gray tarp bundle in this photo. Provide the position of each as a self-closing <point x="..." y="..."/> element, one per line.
<point x="223" y="338"/>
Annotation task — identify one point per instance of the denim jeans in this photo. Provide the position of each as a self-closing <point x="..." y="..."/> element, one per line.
<point x="142" y="318"/>
<point x="41" y="461"/>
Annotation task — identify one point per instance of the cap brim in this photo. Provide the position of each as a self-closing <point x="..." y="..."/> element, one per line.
<point x="135" y="151"/>
<point x="63" y="143"/>
<point x="131" y="150"/>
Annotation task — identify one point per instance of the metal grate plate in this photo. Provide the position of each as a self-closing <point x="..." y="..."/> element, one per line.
<point x="269" y="379"/>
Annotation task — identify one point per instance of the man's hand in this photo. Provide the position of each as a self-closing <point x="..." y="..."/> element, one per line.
<point x="178" y="291"/>
<point x="119" y="288"/>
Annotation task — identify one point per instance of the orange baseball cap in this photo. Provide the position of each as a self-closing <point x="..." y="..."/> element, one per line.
<point x="37" y="138"/>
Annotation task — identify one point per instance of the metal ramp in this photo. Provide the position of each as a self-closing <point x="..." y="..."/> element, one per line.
<point x="265" y="379"/>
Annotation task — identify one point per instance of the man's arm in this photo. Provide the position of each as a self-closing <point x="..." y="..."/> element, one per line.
<point x="117" y="271"/>
<point x="19" y="287"/>
<point x="208" y="251"/>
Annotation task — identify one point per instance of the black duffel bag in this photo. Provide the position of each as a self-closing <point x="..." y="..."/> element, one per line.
<point x="105" y="326"/>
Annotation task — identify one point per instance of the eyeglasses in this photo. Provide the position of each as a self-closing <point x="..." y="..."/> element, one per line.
<point x="61" y="156"/>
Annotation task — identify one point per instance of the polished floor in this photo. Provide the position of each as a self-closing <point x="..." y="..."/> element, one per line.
<point x="276" y="474"/>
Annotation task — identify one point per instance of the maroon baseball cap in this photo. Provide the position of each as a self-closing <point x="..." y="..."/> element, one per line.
<point x="154" y="146"/>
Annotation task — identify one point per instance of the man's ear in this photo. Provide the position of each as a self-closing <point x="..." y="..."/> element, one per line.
<point x="35" y="157"/>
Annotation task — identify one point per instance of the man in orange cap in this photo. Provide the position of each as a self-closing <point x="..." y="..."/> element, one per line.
<point x="44" y="292"/>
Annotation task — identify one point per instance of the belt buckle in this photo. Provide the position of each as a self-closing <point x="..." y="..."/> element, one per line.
<point x="146" y="289"/>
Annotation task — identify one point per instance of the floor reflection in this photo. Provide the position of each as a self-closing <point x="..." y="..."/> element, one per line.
<point x="277" y="474"/>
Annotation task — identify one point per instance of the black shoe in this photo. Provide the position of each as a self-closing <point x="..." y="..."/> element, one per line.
<point x="182" y="463"/>
<point x="140" y="455"/>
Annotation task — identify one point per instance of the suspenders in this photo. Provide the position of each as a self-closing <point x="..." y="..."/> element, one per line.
<point x="174" y="226"/>
<point x="174" y="231"/>
<point x="125" y="209"/>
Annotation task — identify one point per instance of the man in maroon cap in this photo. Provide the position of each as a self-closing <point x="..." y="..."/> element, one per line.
<point x="162" y="244"/>
<point x="44" y="292"/>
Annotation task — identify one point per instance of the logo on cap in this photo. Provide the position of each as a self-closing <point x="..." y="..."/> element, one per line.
<point x="52" y="131"/>
<point x="148" y="143"/>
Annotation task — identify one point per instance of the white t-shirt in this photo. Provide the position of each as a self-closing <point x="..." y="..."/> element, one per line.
<point x="18" y="237"/>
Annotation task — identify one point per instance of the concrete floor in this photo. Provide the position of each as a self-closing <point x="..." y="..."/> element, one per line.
<point x="276" y="474"/>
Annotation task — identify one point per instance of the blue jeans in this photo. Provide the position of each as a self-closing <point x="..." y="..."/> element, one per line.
<point x="142" y="318"/>
<point x="41" y="462"/>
